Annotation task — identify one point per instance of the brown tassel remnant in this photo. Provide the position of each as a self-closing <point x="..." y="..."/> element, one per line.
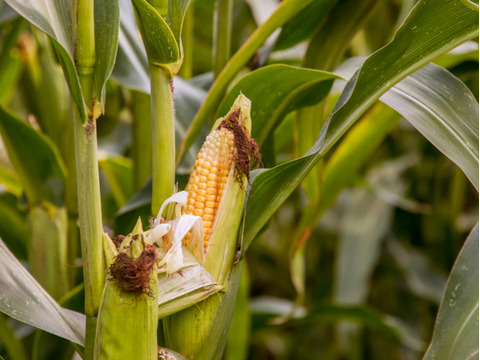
<point x="133" y="275"/>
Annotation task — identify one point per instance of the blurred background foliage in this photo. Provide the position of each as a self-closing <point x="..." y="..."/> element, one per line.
<point x="363" y="282"/>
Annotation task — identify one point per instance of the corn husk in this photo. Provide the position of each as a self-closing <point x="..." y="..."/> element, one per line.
<point x="200" y="331"/>
<point x="179" y="291"/>
<point x="127" y="322"/>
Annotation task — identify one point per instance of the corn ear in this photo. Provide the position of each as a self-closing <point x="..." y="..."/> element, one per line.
<point x="127" y="322"/>
<point x="200" y="331"/>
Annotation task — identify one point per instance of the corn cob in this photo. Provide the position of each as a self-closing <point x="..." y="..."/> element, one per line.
<point x="209" y="177"/>
<point x="221" y="171"/>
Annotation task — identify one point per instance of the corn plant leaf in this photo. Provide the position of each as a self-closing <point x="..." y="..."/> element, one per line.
<point x="412" y="47"/>
<point x="303" y="24"/>
<point x="55" y="19"/>
<point x="162" y="49"/>
<point x="131" y="66"/>
<point x="12" y="226"/>
<point x="10" y="62"/>
<point x="442" y="109"/>
<point x="359" y="144"/>
<point x="131" y="70"/>
<point x="118" y="171"/>
<point x="6" y="13"/>
<point x="466" y="52"/>
<point x="22" y="298"/>
<point x="176" y="14"/>
<point x="456" y="329"/>
<point x="9" y="181"/>
<point x="381" y="323"/>
<point x="365" y="223"/>
<point x="35" y="159"/>
<point x="293" y="88"/>
<point x="15" y="349"/>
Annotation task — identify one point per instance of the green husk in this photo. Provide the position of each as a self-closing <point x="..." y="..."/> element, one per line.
<point x="47" y="225"/>
<point x="200" y="331"/>
<point x="127" y="322"/>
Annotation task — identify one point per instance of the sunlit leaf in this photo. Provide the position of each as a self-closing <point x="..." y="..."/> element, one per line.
<point x="22" y="298"/>
<point x="456" y="329"/>
<point x="292" y="88"/>
<point x="442" y="108"/>
<point x="162" y="49"/>
<point x="412" y="48"/>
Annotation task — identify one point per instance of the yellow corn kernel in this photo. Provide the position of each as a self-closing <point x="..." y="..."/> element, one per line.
<point x="207" y="182"/>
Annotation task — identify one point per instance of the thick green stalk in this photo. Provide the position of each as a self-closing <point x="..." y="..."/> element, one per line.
<point x="90" y="219"/>
<point x="223" y="30"/>
<point x="88" y="185"/>
<point x="142" y="139"/>
<point x="286" y="10"/>
<point x="163" y="136"/>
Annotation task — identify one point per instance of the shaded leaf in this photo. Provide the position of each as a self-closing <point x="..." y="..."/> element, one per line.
<point x="303" y="24"/>
<point x="118" y="171"/>
<point x="456" y="329"/>
<point x="366" y="222"/>
<point x="36" y="160"/>
<point x="55" y="19"/>
<point x="12" y="226"/>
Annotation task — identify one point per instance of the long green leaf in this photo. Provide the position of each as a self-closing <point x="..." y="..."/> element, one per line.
<point x="293" y="88"/>
<point x="22" y="298"/>
<point x="456" y="329"/>
<point x="131" y="66"/>
<point x="35" y="158"/>
<point x="358" y="146"/>
<point x="413" y="47"/>
<point x="162" y="49"/>
<point x="442" y="108"/>
<point x="303" y="24"/>
<point x="107" y="23"/>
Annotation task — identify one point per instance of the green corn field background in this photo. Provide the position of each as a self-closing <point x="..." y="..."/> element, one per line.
<point x="359" y="235"/>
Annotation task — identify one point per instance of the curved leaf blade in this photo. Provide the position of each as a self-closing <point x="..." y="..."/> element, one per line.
<point x="35" y="159"/>
<point x="412" y="47"/>
<point x="456" y="329"/>
<point x="448" y="118"/>
<point x="107" y="23"/>
<point x="131" y="65"/>
<point x="22" y="298"/>
<point x="289" y="84"/>
<point x="162" y="49"/>
<point x="441" y="108"/>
